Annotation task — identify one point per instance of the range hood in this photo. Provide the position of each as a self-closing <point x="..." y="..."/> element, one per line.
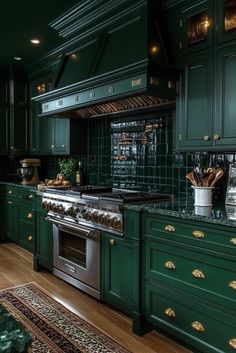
<point x="114" y="60"/>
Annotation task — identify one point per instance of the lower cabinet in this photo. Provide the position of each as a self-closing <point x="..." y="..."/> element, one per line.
<point x="11" y="213"/>
<point x="189" y="287"/>
<point x="43" y="243"/>
<point x="119" y="257"/>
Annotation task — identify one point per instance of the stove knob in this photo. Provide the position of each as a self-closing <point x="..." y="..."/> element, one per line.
<point x="114" y="222"/>
<point x="107" y="220"/>
<point x="94" y="217"/>
<point x="60" y="209"/>
<point x="44" y="205"/>
<point x="49" y="206"/>
<point x="87" y="215"/>
<point x="53" y="207"/>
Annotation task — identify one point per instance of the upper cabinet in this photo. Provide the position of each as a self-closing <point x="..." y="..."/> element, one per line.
<point x="226" y="21"/>
<point x="4" y="111"/>
<point x="196" y="24"/>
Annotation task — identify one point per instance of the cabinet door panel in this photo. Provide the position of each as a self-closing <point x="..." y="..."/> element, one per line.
<point x="225" y="127"/>
<point x="3" y="116"/>
<point x="226" y="21"/>
<point x="194" y="107"/>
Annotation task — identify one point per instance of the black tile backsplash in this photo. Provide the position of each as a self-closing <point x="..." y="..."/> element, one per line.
<point x="135" y="152"/>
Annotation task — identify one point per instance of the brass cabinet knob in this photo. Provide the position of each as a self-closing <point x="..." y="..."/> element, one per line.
<point x="62" y="146"/>
<point x="169" y="312"/>
<point x="112" y="241"/>
<point x="52" y="146"/>
<point x="198" y="274"/>
<point x="30" y="237"/>
<point x="216" y="137"/>
<point x="233" y="241"/>
<point x="170" y="265"/>
<point x="206" y="138"/>
<point x="198" y="234"/>
<point x="30" y="215"/>
<point x="170" y="228"/>
<point x="197" y="326"/>
<point x="232" y="343"/>
<point x="9" y="202"/>
<point x="10" y="192"/>
<point x="30" y="196"/>
<point x="232" y="285"/>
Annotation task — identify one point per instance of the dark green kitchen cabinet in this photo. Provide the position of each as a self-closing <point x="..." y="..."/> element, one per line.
<point x="2" y="210"/>
<point x="11" y="213"/>
<point x="4" y="111"/>
<point x="119" y="263"/>
<point x="18" y="112"/>
<point x="43" y="243"/>
<point x="225" y="103"/>
<point x="194" y="106"/>
<point x="196" y="26"/>
<point x="26" y="218"/>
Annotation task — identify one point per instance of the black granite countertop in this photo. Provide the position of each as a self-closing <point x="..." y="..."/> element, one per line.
<point x="184" y="208"/>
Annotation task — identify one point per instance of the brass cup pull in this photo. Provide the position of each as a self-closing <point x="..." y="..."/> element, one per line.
<point x="232" y="285"/>
<point x="170" y="265"/>
<point x="170" y="228"/>
<point x="216" y="137"/>
<point x="232" y="343"/>
<point x="30" y="237"/>
<point x="169" y="312"/>
<point x="233" y="241"/>
<point x="206" y="138"/>
<point x="197" y="326"/>
<point x="112" y="241"/>
<point x="198" y="234"/>
<point x="198" y="274"/>
<point x="30" y="215"/>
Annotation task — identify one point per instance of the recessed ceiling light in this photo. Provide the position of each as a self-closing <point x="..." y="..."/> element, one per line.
<point x="35" y="41"/>
<point x="17" y="58"/>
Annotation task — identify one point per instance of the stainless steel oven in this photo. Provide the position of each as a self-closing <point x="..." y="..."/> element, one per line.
<point x="76" y="255"/>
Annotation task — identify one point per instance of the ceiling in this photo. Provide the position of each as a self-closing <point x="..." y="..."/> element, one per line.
<point x="23" y="20"/>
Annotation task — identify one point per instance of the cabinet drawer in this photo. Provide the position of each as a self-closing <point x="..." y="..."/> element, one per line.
<point x="26" y="237"/>
<point x="195" y="234"/>
<point x="197" y="273"/>
<point x="199" y="325"/>
<point x="11" y="191"/>
<point x="26" y="214"/>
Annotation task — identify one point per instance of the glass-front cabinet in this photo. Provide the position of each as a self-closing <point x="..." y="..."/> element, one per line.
<point x="196" y="25"/>
<point x="226" y="17"/>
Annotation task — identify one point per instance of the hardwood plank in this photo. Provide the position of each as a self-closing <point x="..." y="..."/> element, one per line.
<point x="16" y="267"/>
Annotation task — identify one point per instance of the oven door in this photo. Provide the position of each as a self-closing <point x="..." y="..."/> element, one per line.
<point x="76" y="255"/>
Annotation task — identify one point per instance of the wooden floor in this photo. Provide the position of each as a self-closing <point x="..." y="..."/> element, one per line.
<point x="16" y="268"/>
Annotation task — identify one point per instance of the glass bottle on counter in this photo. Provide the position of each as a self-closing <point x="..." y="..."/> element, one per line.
<point x="79" y="175"/>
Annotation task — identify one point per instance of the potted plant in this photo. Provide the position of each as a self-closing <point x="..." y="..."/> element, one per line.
<point x="67" y="166"/>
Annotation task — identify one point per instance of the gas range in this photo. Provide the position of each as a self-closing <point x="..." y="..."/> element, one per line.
<point x="94" y="206"/>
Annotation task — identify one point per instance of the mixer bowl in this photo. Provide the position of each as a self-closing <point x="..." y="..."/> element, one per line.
<point x="25" y="173"/>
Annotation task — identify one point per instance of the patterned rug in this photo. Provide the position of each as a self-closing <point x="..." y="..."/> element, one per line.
<point x="52" y="326"/>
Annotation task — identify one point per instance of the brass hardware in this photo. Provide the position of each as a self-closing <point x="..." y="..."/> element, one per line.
<point x="136" y="82"/>
<point x="10" y="192"/>
<point x="180" y="137"/>
<point x="30" y="215"/>
<point x="198" y="234"/>
<point x="112" y="241"/>
<point x="206" y="138"/>
<point x="233" y="241"/>
<point x="197" y="326"/>
<point x="30" y="237"/>
<point x="216" y="137"/>
<point x="111" y="89"/>
<point x="30" y="196"/>
<point x="198" y="274"/>
<point x="154" y="81"/>
<point x="232" y="343"/>
<point x="92" y="94"/>
<point x="52" y="146"/>
<point x="41" y="88"/>
<point x="170" y="228"/>
<point x="232" y="285"/>
<point x="170" y="265"/>
<point x="171" y="84"/>
<point x="180" y="45"/>
<point x="170" y="312"/>
<point x="62" y="145"/>
<point x="9" y="202"/>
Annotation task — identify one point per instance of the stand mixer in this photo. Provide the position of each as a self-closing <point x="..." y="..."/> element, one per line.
<point x="28" y="171"/>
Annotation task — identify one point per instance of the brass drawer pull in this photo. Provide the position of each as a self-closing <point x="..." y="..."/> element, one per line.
<point x="233" y="241"/>
<point x="206" y="138"/>
<point x="216" y="137"/>
<point x="232" y="285"/>
<point x="198" y="234"/>
<point x="198" y="274"/>
<point x="30" y="196"/>
<point x="30" y="215"/>
<point x="170" y="228"/>
<point x="10" y="192"/>
<point x="170" y="265"/>
<point x="169" y="312"/>
<point x="9" y="202"/>
<point x="30" y="237"/>
<point x="232" y="343"/>
<point x="197" y="326"/>
<point x="112" y="241"/>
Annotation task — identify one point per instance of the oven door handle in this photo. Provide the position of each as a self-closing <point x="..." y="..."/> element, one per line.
<point x="87" y="232"/>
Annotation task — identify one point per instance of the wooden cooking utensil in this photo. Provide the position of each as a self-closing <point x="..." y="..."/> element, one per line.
<point x="218" y="174"/>
<point x="190" y="176"/>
